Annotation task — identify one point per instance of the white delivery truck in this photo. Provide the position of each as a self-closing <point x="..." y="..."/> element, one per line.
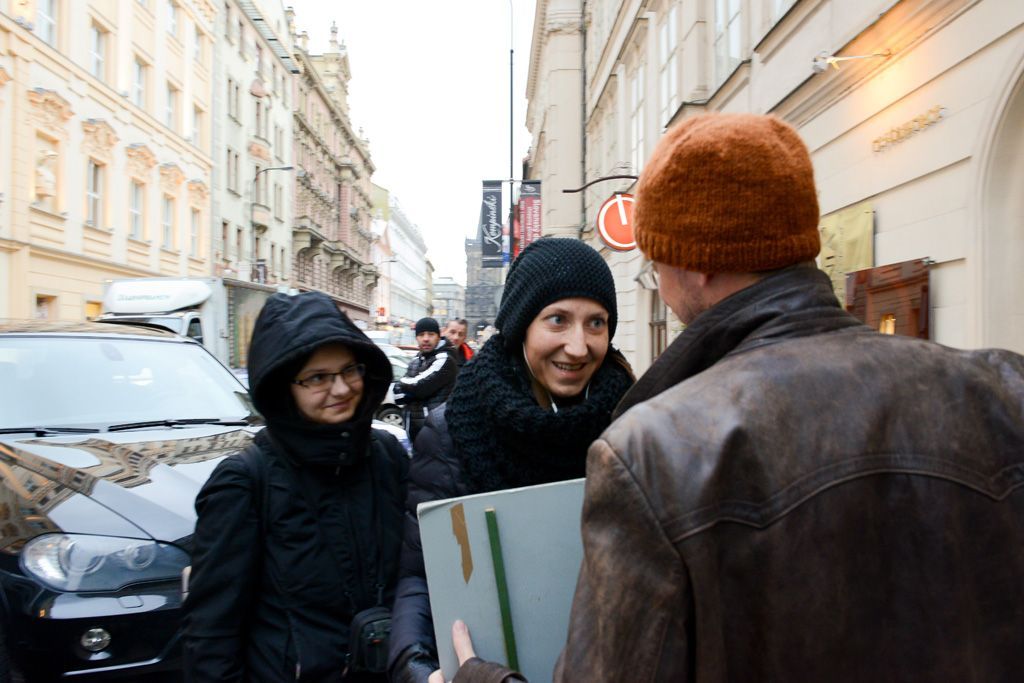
<point x="218" y="312"/>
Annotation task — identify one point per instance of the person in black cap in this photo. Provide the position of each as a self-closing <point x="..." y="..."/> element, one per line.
<point x="429" y="378"/>
<point x="523" y="412"/>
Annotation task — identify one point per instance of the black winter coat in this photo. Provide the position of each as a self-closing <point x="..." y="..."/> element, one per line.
<point x="426" y="385"/>
<point x="280" y="570"/>
<point x="434" y="474"/>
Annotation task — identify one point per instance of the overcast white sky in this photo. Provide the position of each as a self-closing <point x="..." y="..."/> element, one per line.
<point x="430" y="89"/>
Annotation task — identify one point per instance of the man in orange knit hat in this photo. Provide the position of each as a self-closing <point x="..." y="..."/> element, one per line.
<point x="786" y="494"/>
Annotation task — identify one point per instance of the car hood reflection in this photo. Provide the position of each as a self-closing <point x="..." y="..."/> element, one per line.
<point x="134" y="484"/>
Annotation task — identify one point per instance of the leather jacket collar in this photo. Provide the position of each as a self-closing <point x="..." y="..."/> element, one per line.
<point x="790" y="303"/>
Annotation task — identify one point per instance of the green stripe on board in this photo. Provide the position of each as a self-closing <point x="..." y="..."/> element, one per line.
<point x="502" y="585"/>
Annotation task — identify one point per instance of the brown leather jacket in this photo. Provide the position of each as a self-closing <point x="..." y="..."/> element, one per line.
<point x="791" y="496"/>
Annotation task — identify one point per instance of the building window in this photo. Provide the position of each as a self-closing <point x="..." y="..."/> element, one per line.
<point x="98" y="52"/>
<point x="137" y="210"/>
<point x="139" y="83"/>
<point x="636" y="118"/>
<point x="225" y="246"/>
<point x="241" y="37"/>
<point x="659" y="325"/>
<point x="230" y="180"/>
<point x="668" y="39"/>
<point x="258" y="197"/>
<point x="94" y="193"/>
<point x="93" y="309"/>
<point x="171" y="112"/>
<point x="728" y="38"/>
<point x="197" y="126"/>
<point x="278" y="200"/>
<point x="258" y="115"/>
<point x="199" y="47"/>
<point x="167" y="223"/>
<point x="172" y="18"/>
<point x="193" y="243"/>
<point x="46" y="21"/>
<point x="238" y="244"/>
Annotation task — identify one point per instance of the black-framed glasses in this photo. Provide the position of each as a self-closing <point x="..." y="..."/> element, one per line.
<point x="351" y="375"/>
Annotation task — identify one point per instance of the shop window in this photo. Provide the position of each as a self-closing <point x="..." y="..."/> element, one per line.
<point x="93" y="310"/>
<point x="46" y="307"/>
<point x="892" y="299"/>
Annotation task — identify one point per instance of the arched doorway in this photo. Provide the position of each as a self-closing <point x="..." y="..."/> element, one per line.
<point x="1000" y="238"/>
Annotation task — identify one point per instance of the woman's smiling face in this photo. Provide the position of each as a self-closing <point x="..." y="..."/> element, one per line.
<point x="337" y="401"/>
<point x="566" y="344"/>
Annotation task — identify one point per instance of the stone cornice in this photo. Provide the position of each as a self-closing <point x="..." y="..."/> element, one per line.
<point x="171" y="177"/>
<point x="49" y="108"/>
<point x="99" y="138"/>
<point x="198" y="192"/>
<point x="141" y="159"/>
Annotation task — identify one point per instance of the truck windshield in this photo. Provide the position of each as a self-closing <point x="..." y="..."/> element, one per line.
<point x="98" y="381"/>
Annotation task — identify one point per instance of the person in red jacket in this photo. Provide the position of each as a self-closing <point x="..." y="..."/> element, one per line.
<point x="455" y="332"/>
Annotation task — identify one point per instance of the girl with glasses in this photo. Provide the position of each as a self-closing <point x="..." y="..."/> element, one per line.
<point x="296" y="545"/>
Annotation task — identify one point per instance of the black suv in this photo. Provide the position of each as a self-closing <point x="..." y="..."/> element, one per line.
<point x="107" y="433"/>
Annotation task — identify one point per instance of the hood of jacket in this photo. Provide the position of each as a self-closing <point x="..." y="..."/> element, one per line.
<point x="287" y="332"/>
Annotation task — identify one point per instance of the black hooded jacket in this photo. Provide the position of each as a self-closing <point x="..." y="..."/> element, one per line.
<point x="275" y="584"/>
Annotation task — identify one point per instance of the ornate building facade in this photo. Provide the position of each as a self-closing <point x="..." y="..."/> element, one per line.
<point x="105" y="112"/>
<point x="913" y="111"/>
<point x="331" y="232"/>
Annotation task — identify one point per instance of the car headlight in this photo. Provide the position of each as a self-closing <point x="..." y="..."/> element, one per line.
<point x="71" y="562"/>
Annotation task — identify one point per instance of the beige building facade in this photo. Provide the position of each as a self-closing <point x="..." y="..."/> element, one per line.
<point x="331" y="232"/>
<point x="105" y="136"/>
<point x="913" y="111"/>
<point x="252" y="141"/>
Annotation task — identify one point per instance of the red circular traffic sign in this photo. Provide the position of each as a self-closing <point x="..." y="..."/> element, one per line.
<point x="615" y="222"/>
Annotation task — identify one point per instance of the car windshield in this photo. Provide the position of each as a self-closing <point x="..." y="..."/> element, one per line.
<point x="92" y="381"/>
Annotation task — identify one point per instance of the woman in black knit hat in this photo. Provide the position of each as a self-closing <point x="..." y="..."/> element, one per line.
<point x="524" y="411"/>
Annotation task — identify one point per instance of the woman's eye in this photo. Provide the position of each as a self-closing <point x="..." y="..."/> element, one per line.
<point x="316" y="379"/>
<point x="556" y="319"/>
<point x="597" y="323"/>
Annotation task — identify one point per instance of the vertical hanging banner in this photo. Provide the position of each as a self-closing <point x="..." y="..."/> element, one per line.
<point x="529" y="212"/>
<point x="490" y="225"/>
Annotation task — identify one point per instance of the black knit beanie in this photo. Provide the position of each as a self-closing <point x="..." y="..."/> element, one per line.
<point x="427" y="325"/>
<point x="550" y="269"/>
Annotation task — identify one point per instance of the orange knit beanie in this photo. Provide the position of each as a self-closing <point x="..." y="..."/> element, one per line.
<point x="728" y="193"/>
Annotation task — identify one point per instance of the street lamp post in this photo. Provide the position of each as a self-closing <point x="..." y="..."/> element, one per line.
<point x="254" y="273"/>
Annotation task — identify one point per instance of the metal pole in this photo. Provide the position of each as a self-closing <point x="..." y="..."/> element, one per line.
<point x="511" y="123"/>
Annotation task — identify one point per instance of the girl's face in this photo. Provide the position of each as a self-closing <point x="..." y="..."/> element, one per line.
<point x="333" y="388"/>
<point x="566" y="344"/>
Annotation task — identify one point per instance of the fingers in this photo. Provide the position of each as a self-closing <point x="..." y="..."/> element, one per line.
<point x="436" y="677"/>
<point x="462" y="642"/>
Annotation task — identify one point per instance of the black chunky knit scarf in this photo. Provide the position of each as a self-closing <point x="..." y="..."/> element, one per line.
<point x="504" y="439"/>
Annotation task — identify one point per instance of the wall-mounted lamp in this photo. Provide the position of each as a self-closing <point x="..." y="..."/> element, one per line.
<point x="824" y="59"/>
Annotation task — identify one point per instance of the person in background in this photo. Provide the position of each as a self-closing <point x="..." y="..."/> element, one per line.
<point x="300" y="533"/>
<point x="523" y="412"/>
<point x="787" y="494"/>
<point x="429" y="378"/>
<point x="455" y="333"/>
